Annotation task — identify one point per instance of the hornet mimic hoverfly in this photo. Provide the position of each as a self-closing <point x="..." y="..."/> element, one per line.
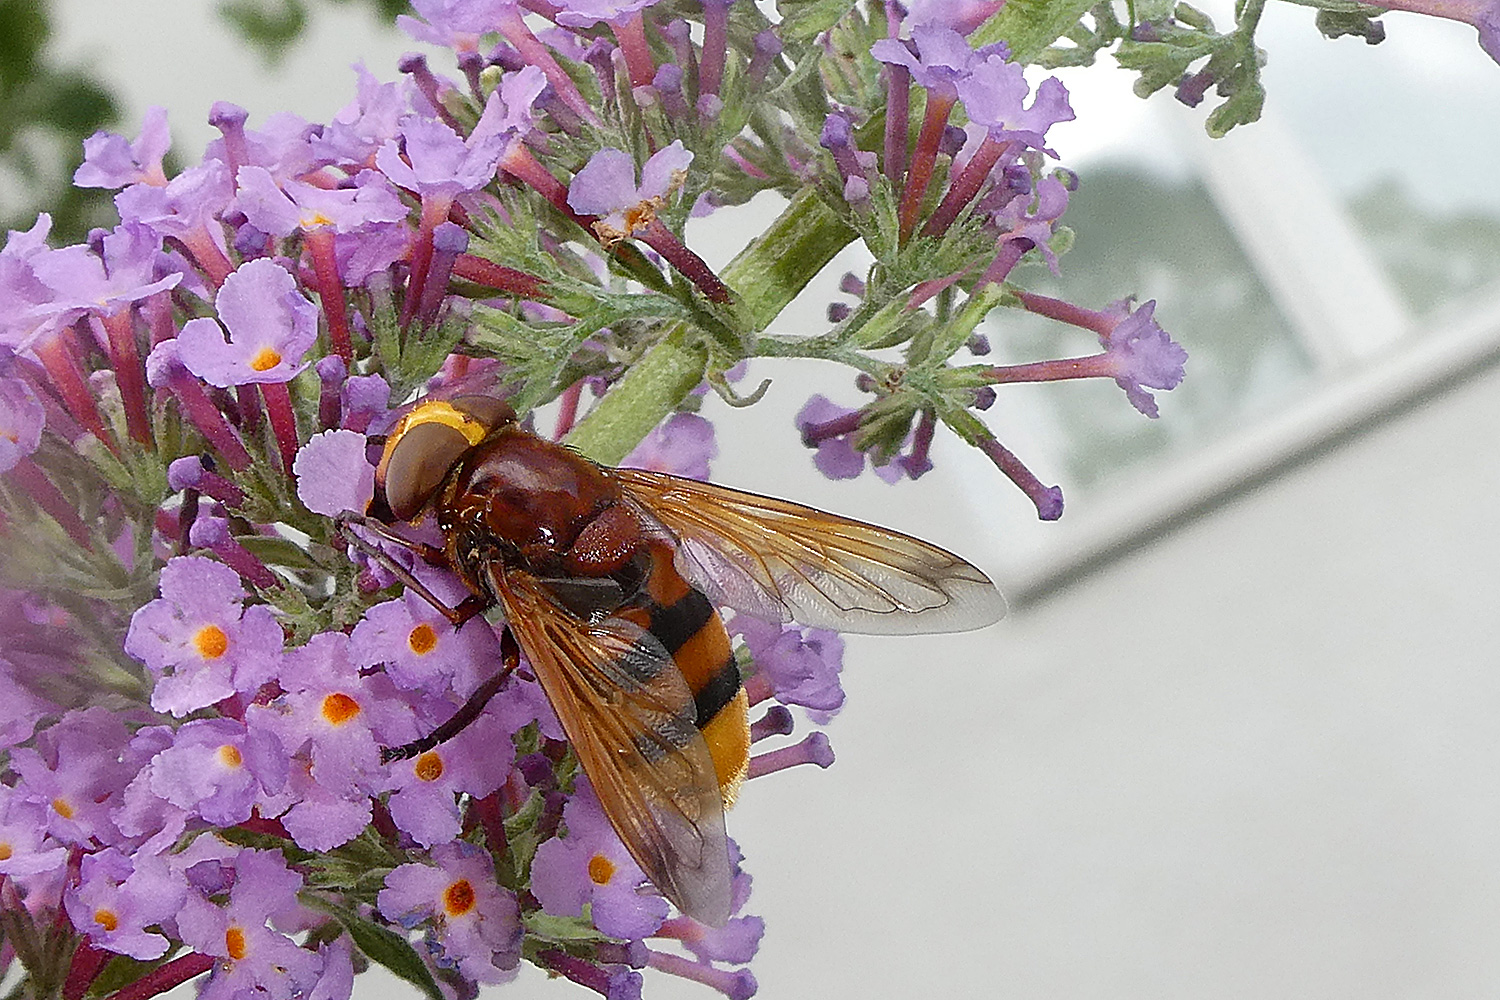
<point x="611" y="579"/>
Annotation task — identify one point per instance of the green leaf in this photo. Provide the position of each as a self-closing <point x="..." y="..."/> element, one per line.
<point x="1029" y="26"/>
<point x="1241" y="109"/>
<point x="802" y="20"/>
<point x="384" y="946"/>
<point x="1361" y="22"/>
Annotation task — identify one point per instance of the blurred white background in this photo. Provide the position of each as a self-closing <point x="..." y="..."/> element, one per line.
<point x="1237" y="737"/>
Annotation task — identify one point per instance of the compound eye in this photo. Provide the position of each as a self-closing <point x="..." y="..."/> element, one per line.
<point x="488" y="410"/>
<point x="415" y="465"/>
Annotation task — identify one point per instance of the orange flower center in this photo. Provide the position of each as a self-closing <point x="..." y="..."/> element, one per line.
<point x="265" y="359"/>
<point x="458" y="898"/>
<point x="429" y="766"/>
<point x="234" y="943"/>
<point x="6" y="851"/>
<point x="229" y="756"/>
<point x="62" y="808"/>
<point x="211" y="642"/>
<point x="601" y="869"/>
<point x="339" y="708"/>
<point x="106" y="919"/>
<point x="422" y="639"/>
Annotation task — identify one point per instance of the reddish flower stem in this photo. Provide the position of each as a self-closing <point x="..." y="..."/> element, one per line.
<point x="665" y="242"/>
<point x="1048" y="499"/>
<point x="59" y="355"/>
<point x="448" y="241"/>
<point x="434" y="211"/>
<point x="1093" y="366"/>
<point x="735" y="983"/>
<point x="715" y="46"/>
<point x="1067" y="312"/>
<point x="165" y="977"/>
<point x="897" y="107"/>
<point x="330" y="289"/>
<point x="963" y="188"/>
<point x="631" y="34"/>
<point x="83" y="969"/>
<point x="207" y="255"/>
<point x="814" y="749"/>
<point x="130" y="375"/>
<point x="519" y="163"/>
<point x="567" y="410"/>
<point x="492" y="818"/>
<point x="49" y="498"/>
<point x="515" y="31"/>
<point x="815" y="434"/>
<point x="249" y="404"/>
<point x="506" y="279"/>
<point x="206" y="417"/>
<point x="283" y="421"/>
<point x="1006" y="258"/>
<point x="924" y="160"/>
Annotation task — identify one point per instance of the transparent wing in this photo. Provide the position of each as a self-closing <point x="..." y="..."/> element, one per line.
<point x="630" y="716"/>
<point x="786" y="562"/>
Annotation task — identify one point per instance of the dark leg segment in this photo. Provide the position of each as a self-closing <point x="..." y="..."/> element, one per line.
<point x="467" y="608"/>
<point x="510" y="658"/>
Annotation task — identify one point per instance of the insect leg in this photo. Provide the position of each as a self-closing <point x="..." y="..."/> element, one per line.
<point x="510" y="658"/>
<point x="466" y="609"/>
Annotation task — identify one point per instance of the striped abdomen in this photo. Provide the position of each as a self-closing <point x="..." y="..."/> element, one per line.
<point x="689" y="627"/>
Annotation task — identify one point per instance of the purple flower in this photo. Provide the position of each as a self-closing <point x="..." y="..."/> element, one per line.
<point x="25" y="846"/>
<point x="119" y="897"/>
<point x="1029" y="215"/>
<point x="425" y="789"/>
<point x="801" y="665"/>
<point x="188" y="207"/>
<point x="333" y="474"/>
<point x="362" y="398"/>
<point x="334" y="722"/>
<point x="422" y="650"/>
<point x="219" y="769"/>
<point x="681" y="445"/>
<point x="606" y="186"/>
<point x="454" y="24"/>
<point x="943" y="58"/>
<point x="75" y="771"/>
<point x="271" y="326"/>
<point x="110" y="161"/>
<point x="254" y="960"/>
<point x="199" y="641"/>
<point x="962" y="16"/>
<point x="21" y="420"/>
<point x="1142" y="355"/>
<point x="365" y="124"/>
<point x="443" y="164"/>
<point x="994" y="92"/>
<point x="1487" y="20"/>
<point x="475" y="924"/>
<point x="587" y="13"/>
<point x="831" y="429"/>
<point x="83" y="282"/>
<point x="590" y="865"/>
<point x="284" y="208"/>
<point x="836" y="457"/>
<point x="20" y="708"/>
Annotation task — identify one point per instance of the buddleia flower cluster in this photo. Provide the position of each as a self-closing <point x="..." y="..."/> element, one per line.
<point x="200" y="673"/>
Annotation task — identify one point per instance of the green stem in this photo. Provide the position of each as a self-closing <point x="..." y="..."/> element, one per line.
<point x="765" y="276"/>
<point x="650" y="390"/>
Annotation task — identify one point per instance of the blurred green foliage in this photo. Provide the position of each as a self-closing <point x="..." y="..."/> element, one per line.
<point x="46" y="111"/>
<point x="47" y="108"/>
